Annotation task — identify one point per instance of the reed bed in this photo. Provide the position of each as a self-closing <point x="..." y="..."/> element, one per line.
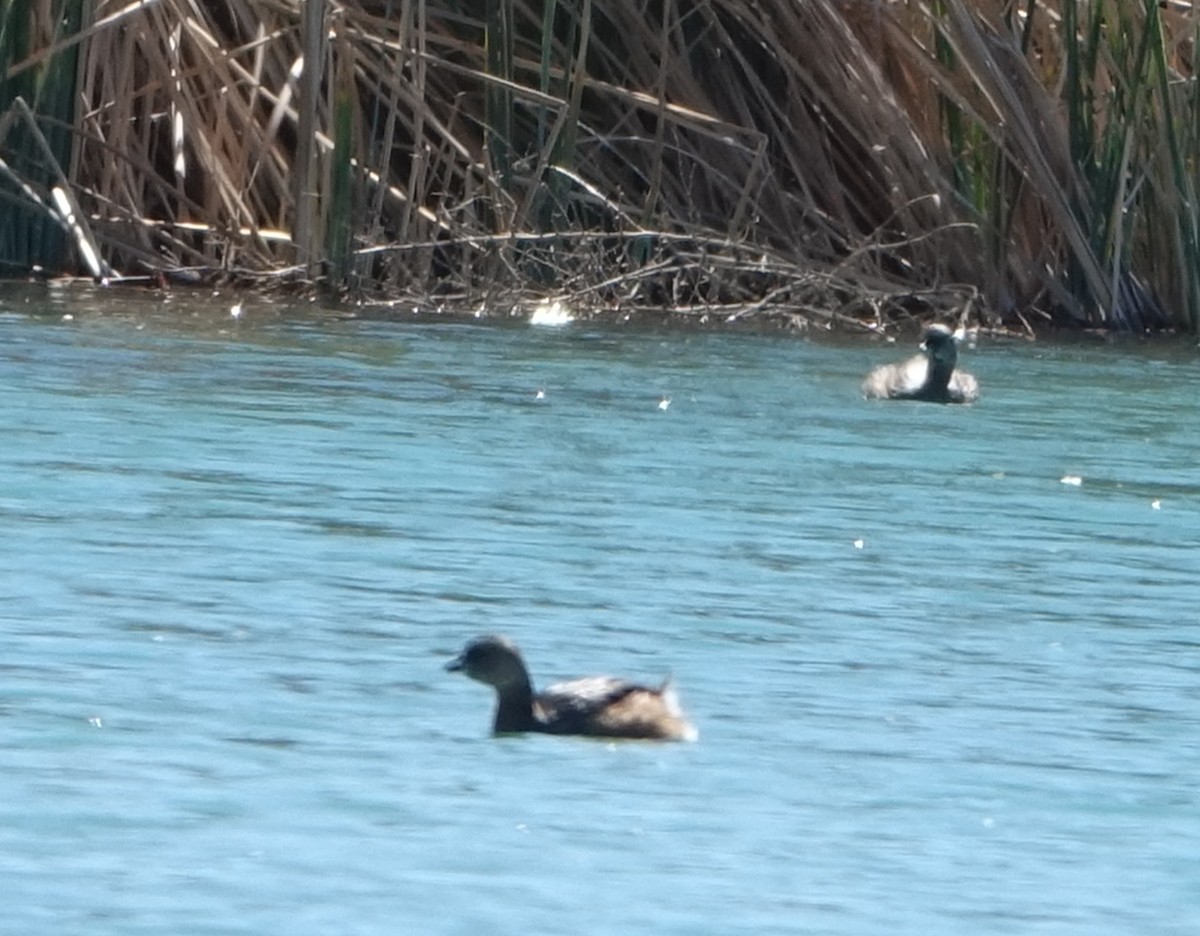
<point x="847" y="162"/>
<point x="35" y="157"/>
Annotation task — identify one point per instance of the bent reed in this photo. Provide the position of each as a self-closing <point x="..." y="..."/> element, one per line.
<point x="822" y="163"/>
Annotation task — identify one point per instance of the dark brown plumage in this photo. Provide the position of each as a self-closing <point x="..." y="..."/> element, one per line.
<point x="598" y="705"/>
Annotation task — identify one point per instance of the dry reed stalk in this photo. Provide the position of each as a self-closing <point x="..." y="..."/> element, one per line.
<point x="728" y="153"/>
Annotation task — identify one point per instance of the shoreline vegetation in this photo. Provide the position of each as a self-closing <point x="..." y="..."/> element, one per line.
<point x="852" y="165"/>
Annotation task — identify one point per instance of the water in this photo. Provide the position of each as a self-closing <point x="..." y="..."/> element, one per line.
<point x="938" y="690"/>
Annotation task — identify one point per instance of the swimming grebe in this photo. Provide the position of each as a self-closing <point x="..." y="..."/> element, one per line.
<point x="598" y="705"/>
<point x="928" y="376"/>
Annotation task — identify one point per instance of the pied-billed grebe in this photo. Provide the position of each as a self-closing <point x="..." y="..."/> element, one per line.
<point x="598" y="705"/>
<point x="928" y="376"/>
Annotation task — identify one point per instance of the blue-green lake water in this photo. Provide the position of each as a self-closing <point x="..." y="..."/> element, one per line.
<point x="938" y="689"/>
